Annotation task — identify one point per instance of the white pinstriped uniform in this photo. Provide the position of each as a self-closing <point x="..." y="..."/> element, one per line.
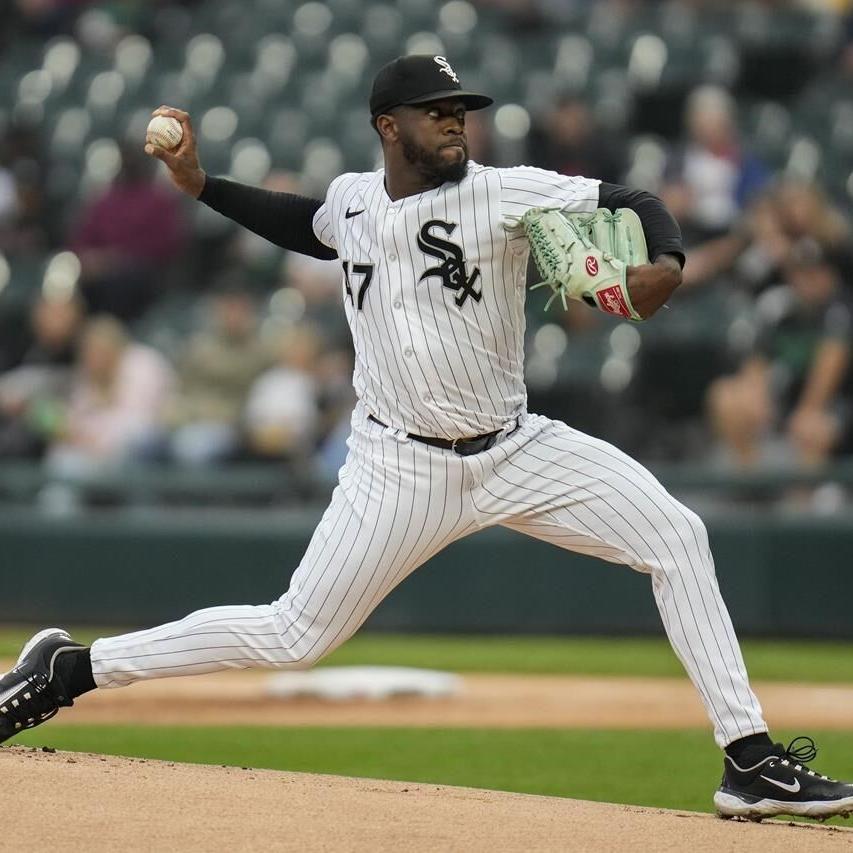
<point x="429" y="364"/>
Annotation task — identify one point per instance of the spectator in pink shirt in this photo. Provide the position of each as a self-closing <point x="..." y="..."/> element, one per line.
<point x="126" y="238"/>
<point x="116" y="401"/>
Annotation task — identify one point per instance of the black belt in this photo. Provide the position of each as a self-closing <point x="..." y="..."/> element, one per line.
<point x="462" y="446"/>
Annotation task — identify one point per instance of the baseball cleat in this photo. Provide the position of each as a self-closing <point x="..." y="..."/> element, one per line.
<point x="781" y="784"/>
<point x="32" y="691"/>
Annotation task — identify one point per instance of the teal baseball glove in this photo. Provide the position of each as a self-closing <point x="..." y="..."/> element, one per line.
<point x="586" y="256"/>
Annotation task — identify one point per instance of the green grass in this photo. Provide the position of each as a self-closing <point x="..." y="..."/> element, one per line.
<point x="776" y="660"/>
<point x="678" y="769"/>
<point x="646" y="656"/>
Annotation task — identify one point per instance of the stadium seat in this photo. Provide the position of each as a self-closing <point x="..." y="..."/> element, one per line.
<point x="286" y="135"/>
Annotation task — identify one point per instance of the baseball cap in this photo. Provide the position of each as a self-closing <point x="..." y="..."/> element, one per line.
<point x="417" y="80"/>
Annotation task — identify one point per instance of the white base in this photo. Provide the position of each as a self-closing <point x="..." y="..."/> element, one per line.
<point x="343" y="683"/>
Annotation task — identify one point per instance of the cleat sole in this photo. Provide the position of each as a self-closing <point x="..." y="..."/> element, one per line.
<point x="730" y="805"/>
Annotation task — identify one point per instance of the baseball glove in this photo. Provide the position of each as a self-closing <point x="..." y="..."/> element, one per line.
<point x="586" y="256"/>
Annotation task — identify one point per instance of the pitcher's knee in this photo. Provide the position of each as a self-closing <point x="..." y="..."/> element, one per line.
<point x="300" y="652"/>
<point x="301" y="641"/>
<point x="310" y="657"/>
<point x="683" y="545"/>
<point x="692" y="530"/>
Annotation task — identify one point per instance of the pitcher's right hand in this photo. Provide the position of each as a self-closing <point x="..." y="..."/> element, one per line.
<point x="182" y="162"/>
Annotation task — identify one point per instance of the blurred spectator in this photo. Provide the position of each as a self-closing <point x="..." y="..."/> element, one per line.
<point x="805" y="212"/>
<point x="127" y="237"/>
<point x="757" y="249"/>
<point x="43" y="18"/>
<point x="117" y="397"/>
<point x="56" y="323"/>
<point x="31" y="395"/>
<point x="282" y="415"/>
<point x="319" y="285"/>
<point x="788" y="396"/>
<point x="569" y="141"/>
<point x="24" y="222"/>
<point x="712" y="176"/>
<point x="337" y="401"/>
<point x="215" y="372"/>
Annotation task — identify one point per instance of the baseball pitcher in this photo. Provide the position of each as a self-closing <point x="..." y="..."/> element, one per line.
<point x="433" y="250"/>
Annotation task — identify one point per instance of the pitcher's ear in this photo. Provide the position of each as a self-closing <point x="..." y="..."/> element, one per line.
<point x="387" y="127"/>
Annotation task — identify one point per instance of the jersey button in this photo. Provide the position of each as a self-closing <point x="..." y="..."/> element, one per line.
<point x="427" y="398"/>
<point x="408" y="352"/>
<point x="392" y="257"/>
<point x="397" y="303"/>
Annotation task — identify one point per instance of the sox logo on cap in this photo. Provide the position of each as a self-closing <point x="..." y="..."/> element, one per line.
<point x="445" y="67"/>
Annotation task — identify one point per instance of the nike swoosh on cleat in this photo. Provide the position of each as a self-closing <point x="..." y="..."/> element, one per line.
<point x="793" y="787"/>
<point x="11" y="692"/>
<point x="350" y="213"/>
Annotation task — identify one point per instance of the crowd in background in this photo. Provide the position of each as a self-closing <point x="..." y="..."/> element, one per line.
<point x="155" y="338"/>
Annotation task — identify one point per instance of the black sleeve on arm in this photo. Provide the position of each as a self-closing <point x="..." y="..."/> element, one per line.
<point x="663" y="236"/>
<point x="282" y="218"/>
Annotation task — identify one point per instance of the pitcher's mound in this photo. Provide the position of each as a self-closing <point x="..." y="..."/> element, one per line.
<point x="77" y="802"/>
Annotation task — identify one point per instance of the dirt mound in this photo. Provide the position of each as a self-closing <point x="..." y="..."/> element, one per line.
<point x="77" y="802"/>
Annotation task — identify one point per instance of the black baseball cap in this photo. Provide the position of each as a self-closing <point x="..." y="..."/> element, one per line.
<point x="419" y="80"/>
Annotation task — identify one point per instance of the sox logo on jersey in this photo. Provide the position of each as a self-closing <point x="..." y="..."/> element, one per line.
<point x="452" y="272"/>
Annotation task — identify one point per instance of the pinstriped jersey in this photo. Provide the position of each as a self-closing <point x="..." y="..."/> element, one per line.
<point x="434" y="288"/>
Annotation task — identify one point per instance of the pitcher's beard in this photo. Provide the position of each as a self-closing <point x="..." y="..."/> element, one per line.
<point x="432" y="166"/>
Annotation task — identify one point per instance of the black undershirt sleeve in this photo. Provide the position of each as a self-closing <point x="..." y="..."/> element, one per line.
<point x="282" y="218"/>
<point x="663" y="236"/>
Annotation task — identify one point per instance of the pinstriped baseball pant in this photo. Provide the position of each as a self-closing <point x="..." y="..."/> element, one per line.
<point x="399" y="502"/>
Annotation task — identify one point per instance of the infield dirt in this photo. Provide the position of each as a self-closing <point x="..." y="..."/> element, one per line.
<point x="496" y="701"/>
<point x="79" y="802"/>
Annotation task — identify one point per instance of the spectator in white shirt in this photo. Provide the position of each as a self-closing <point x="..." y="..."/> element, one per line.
<point x="282" y="415"/>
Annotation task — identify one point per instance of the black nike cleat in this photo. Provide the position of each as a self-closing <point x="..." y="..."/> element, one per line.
<point x="32" y="692"/>
<point x="781" y="784"/>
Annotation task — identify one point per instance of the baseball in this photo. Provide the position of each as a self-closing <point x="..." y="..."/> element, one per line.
<point x="165" y="132"/>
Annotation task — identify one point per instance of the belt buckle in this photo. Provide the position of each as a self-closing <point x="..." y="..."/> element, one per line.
<point x="469" y="445"/>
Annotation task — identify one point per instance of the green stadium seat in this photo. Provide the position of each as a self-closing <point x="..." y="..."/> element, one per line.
<point x="347" y="14"/>
<point x="286" y="135"/>
<point x="358" y="140"/>
<point x="382" y="31"/>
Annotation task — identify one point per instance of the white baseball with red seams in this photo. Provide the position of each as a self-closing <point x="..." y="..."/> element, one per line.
<point x="165" y="132"/>
<point x="433" y="286"/>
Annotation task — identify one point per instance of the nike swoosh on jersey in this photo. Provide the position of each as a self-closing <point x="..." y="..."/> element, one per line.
<point x="350" y="213"/>
<point x="793" y="787"/>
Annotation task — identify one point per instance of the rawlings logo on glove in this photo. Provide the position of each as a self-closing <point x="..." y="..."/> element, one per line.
<point x="586" y="256"/>
<point x="612" y="300"/>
